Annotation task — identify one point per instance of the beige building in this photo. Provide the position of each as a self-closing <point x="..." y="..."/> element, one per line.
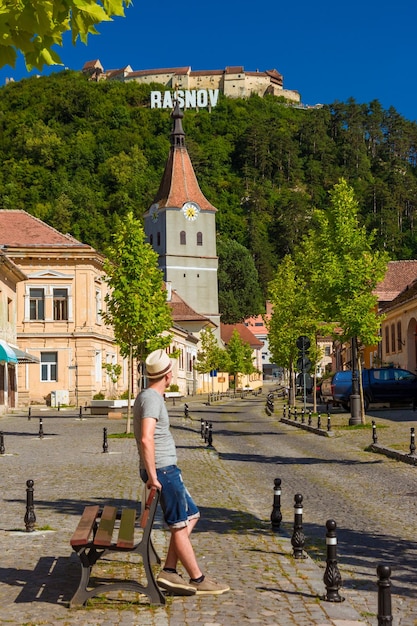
<point x="58" y="314"/>
<point x="233" y="82"/>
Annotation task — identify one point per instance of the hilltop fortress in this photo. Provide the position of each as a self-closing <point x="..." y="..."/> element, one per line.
<point x="233" y="82"/>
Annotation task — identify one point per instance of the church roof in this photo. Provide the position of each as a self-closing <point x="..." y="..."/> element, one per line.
<point x="179" y="183"/>
<point x="399" y="274"/>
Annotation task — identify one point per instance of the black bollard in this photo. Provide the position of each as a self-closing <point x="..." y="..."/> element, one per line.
<point x="59" y="406"/>
<point x="202" y="428"/>
<point x="412" y="442"/>
<point x="40" y="428"/>
<point x="289" y="412"/>
<point x="206" y="429"/>
<point x="30" y="517"/>
<point x="374" y="435"/>
<point x="298" y="538"/>
<point x="105" y="444"/>
<point x="309" y="417"/>
<point x="384" y="595"/>
<point x="186" y="413"/>
<point x="284" y="411"/>
<point x="302" y="416"/>
<point x="295" y="414"/>
<point x="276" y="515"/>
<point x="318" y="421"/>
<point x="2" y="448"/>
<point x="332" y="578"/>
<point x="329" y="423"/>
<point x="80" y="413"/>
<point x="210" y="435"/>
<point x="29" y="413"/>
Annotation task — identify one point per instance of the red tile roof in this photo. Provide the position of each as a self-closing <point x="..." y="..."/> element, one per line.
<point x="399" y="274"/>
<point x="182" y="312"/>
<point x="20" y="229"/>
<point x="226" y="332"/>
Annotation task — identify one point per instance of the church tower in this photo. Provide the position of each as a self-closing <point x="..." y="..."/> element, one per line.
<point x="180" y="226"/>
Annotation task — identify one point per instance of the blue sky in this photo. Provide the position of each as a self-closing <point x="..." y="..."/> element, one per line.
<point x="325" y="50"/>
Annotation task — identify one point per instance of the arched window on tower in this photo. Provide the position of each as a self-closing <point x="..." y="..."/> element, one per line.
<point x="199" y="239"/>
<point x="183" y="238"/>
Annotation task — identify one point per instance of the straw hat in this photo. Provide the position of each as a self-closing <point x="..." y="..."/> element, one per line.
<point x="158" y="364"/>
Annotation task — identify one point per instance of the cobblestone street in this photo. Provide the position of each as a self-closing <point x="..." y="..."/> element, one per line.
<point x="372" y="498"/>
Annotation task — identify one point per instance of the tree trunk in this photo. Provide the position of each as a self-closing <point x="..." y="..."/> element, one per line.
<point x="129" y="388"/>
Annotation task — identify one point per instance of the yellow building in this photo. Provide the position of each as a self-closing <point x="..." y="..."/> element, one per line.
<point x="58" y="314"/>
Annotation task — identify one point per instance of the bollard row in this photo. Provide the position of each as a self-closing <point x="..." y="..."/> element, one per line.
<point x="293" y="414"/>
<point x="332" y="578"/>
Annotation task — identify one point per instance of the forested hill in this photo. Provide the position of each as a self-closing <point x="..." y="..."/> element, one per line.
<point x="79" y="154"/>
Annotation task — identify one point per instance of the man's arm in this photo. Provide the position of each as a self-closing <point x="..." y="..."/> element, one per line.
<point x="147" y="443"/>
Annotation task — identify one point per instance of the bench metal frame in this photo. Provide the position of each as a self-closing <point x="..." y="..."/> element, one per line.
<point x="92" y="539"/>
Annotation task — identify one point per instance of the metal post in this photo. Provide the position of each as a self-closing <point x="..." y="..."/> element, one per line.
<point x="80" y="413"/>
<point x="303" y="416"/>
<point x="59" y="406"/>
<point x="374" y="435"/>
<point x="309" y="417"/>
<point x="329" y="424"/>
<point x="298" y="538"/>
<point x="186" y="413"/>
<point x="284" y="411"/>
<point x="30" y="517"/>
<point x="29" y="413"/>
<point x="206" y="429"/>
<point x="332" y="578"/>
<point x="2" y="448"/>
<point x="105" y="444"/>
<point x="202" y="428"/>
<point x="295" y="413"/>
<point x="210" y="435"/>
<point x="276" y="515"/>
<point x="318" y="421"/>
<point x="355" y="400"/>
<point x="384" y="595"/>
<point x="412" y="442"/>
<point x="40" y="428"/>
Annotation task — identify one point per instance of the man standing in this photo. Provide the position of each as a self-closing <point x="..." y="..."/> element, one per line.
<point x="158" y="468"/>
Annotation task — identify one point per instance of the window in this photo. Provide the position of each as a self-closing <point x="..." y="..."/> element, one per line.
<point x="49" y="366"/>
<point x="60" y="304"/>
<point x="199" y="239"/>
<point x="393" y="344"/>
<point x="183" y="238"/>
<point x="327" y="351"/>
<point x="37" y="304"/>
<point x="98" y="306"/>
<point x="387" y="340"/>
<point x="158" y="239"/>
<point x="399" y="337"/>
<point x="9" y="309"/>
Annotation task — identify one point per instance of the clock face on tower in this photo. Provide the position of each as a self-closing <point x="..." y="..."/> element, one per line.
<point x="190" y="211"/>
<point x="154" y="212"/>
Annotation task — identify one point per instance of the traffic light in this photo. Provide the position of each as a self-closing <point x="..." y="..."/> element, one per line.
<point x="303" y="362"/>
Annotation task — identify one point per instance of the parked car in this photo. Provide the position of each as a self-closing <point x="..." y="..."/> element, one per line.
<point x="388" y="384"/>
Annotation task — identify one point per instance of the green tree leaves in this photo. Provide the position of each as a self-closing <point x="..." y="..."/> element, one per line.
<point x="33" y="27"/>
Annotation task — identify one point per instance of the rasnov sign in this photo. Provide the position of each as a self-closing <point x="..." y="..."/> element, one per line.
<point x="189" y="98"/>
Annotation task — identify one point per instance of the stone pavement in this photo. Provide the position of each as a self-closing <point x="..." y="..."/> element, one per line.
<point x="233" y="541"/>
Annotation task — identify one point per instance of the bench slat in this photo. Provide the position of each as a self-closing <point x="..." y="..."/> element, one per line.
<point x="85" y="526"/>
<point x="127" y="529"/>
<point x="105" y="530"/>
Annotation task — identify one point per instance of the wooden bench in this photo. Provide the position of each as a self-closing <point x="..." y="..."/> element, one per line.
<point x="93" y="538"/>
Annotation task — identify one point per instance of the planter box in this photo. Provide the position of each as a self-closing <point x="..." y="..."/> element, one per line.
<point x="102" y="407"/>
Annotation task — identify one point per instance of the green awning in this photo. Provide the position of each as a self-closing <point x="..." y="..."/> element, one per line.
<point x="7" y="354"/>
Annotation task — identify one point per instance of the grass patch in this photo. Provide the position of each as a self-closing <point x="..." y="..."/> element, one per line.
<point x="121" y="436"/>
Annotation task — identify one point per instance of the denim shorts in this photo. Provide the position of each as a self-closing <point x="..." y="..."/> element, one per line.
<point x="176" y="503"/>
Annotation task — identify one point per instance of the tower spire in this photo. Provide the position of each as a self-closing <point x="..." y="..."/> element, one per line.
<point x="177" y="134"/>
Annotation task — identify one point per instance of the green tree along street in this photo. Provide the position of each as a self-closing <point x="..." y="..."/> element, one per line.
<point x="136" y="306"/>
<point x="240" y="295"/>
<point x="33" y="27"/>
<point x="240" y="357"/>
<point x="211" y="356"/>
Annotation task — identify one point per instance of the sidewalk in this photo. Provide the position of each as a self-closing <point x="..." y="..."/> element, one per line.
<point x="233" y="541"/>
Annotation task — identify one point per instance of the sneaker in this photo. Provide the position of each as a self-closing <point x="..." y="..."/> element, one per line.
<point x="209" y="586"/>
<point x="174" y="582"/>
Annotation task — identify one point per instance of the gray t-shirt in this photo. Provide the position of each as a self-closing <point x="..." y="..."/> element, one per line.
<point x="150" y="403"/>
